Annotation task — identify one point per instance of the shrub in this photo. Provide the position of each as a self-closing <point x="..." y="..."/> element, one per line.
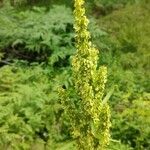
<point x="38" y="34"/>
<point x="29" y="110"/>
<point x="133" y="123"/>
<point x="127" y="58"/>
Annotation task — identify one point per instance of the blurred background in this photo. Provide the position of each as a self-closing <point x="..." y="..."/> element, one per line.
<point x="36" y="42"/>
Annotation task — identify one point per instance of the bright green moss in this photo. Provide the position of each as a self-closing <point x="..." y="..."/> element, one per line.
<point x="89" y="116"/>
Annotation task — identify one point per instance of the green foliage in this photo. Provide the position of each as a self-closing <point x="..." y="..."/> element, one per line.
<point x="29" y="110"/>
<point x="105" y="7"/>
<point x="45" y="34"/>
<point x="125" y="51"/>
<point x="114" y="145"/>
<point x="133" y="123"/>
<point x="114" y="2"/>
<point x="117" y="145"/>
<point x="127" y="41"/>
<point x="39" y="34"/>
<point x="30" y="114"/>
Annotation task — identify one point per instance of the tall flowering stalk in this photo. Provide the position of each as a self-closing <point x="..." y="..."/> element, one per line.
<point x="89" y="115"/>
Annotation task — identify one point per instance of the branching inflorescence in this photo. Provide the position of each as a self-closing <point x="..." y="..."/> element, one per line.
<point x="88" y="114"/>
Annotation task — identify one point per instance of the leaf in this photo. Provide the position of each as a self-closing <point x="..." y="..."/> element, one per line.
<point x="16" y="42"/>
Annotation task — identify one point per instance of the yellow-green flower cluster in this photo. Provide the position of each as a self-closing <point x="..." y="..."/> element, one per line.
<point x="89" y="84"/>
<point x="89" y="117"/>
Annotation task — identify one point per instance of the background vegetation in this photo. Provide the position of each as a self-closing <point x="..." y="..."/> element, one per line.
<point x="36" y="42"/>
